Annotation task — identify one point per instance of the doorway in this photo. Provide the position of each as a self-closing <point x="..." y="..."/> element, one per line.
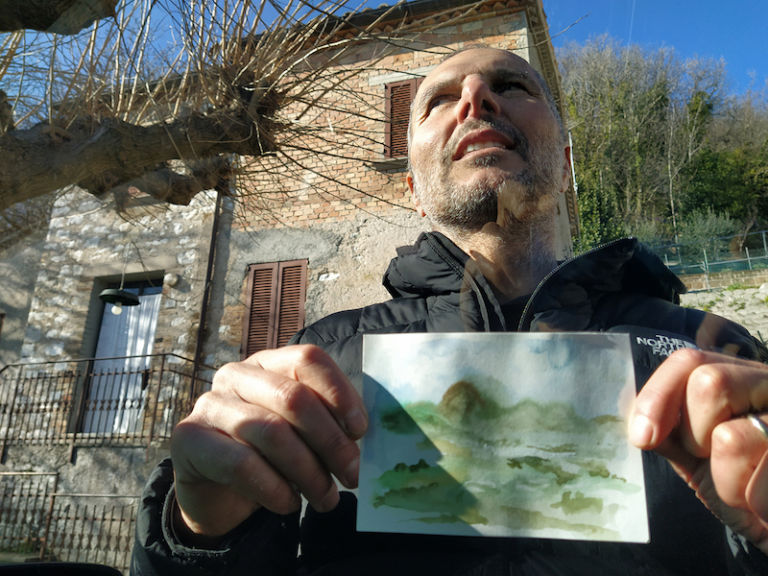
<point x="116" y="392"/>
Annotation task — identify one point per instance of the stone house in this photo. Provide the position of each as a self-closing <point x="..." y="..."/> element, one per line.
<point x="88" y="397"/>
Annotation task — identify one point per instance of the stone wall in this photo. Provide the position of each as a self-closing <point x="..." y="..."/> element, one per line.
<point x="725" y="279"/>
<point x="118" y="470"/>
<point x="89" y="245"/>
<point x="19" y="265"/>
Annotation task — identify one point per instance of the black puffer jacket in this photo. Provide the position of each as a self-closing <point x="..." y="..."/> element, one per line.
<point x="435" y="287"/>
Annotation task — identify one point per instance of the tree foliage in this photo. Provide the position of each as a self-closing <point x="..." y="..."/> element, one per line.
<point x="731" y="172"/>
<point x="658" y="143"/>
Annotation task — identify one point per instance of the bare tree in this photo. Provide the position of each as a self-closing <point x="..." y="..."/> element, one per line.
<point x="168" y="98"/>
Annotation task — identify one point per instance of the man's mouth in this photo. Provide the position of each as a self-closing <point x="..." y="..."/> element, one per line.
<point x="485" y="139"/>
<point x="484" y="145"/>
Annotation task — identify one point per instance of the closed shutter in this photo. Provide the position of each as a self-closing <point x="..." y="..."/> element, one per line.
<point x="398" y="97"/>
<point x="274" y="305"/>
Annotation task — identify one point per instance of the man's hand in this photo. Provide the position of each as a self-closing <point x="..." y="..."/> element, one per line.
<point x="693" y="411"/>
<point x="274" y="426"/>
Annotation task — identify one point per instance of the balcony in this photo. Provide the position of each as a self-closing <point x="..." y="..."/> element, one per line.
<point x="129" y="401"/>
<point x="121" y="401"/>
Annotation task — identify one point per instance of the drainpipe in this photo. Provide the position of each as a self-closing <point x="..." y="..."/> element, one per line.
<point x="221" y="189"/>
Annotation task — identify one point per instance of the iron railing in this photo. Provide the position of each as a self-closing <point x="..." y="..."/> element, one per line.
<point x="127" y="400"/>
<point x="38" y="523"/>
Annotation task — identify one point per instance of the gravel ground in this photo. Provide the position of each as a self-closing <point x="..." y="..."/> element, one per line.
<point x="747" y="306"/>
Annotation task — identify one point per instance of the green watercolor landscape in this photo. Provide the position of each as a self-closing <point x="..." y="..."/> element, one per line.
<point x="500" y="435"/>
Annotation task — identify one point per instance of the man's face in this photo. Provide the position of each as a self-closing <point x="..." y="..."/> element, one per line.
<point x="484" y="139"/>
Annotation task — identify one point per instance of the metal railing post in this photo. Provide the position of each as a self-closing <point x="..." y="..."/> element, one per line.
<point x="9" y="419"/>
<point x="153" y="419"/>
<point x="49" y="518"/>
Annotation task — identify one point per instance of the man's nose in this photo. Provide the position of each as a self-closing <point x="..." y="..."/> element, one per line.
<point x="477" y="99"/>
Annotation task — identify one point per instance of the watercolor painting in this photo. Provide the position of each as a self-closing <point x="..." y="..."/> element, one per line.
<point x="500" y="435"/>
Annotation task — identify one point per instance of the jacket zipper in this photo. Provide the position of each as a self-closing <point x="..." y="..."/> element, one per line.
<point x="556" y="269"/>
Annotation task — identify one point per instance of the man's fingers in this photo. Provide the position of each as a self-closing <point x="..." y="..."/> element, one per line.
<point x="717" y="393"/>
<point x="220" y="482"/>
<point x="738" y="452"/>
<point x="274" y="438"/>
<point x="296" y="406"/>
<point x="757" y="489"/>
<point x="312" y="367"/>
<point x="279" y="424"/>
<point x="661" y="403"/>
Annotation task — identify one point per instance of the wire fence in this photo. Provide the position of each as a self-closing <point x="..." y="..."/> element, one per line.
<point x="716" y="254"/>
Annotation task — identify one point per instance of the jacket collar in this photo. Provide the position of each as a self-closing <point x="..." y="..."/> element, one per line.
<point x="623" y="265"/>
<point x="435" y="266"/>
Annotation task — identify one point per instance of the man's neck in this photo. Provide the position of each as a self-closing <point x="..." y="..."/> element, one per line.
<point x="513" y="259"/>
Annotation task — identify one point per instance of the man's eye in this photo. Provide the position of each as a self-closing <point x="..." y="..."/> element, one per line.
<point x="439" y="101"/>
<point x="510" y="87"/>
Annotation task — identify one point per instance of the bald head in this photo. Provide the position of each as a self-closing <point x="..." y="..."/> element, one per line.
<point x="484" y="133"/>
<point x="532" y="71"/>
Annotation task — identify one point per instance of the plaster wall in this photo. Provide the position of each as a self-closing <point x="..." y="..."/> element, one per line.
<point x="346" y="262"/>
<point x="121" y="471"/>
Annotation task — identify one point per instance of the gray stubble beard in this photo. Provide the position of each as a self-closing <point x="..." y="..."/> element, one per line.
<point x="463" y="209"/>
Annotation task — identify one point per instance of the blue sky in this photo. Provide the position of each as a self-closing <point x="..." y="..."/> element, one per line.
<point x="735" y="31"/>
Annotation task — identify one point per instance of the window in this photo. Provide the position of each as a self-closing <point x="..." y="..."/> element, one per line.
<point x="398" y="97"/>
<point x="274" y="304"/>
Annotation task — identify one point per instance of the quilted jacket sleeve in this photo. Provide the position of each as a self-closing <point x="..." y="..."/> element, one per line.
<point x="264" y="545"/>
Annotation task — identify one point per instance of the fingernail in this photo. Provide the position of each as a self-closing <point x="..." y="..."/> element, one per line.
<point x="641" y="431"/>
<point x="356" y="422"/>
<point x="351" y="474"/>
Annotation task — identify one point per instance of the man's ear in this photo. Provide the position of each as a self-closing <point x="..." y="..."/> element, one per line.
<point x="414" y="196"/>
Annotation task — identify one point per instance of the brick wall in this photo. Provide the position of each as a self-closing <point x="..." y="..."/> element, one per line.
<point x="342" y="169"/>
<point x="338" y="201"/>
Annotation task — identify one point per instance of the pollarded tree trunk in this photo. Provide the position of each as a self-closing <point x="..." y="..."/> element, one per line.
<point x="57" y="16"/>
<point x="99" y="155"/>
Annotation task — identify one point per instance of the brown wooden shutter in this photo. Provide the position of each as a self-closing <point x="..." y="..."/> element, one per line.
<point x="293" y="286"/>
<point x="398" y="97"/>
<point x="274" y="305"/>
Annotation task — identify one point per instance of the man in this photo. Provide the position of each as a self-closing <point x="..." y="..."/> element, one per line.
<point x="487" y="161"/>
